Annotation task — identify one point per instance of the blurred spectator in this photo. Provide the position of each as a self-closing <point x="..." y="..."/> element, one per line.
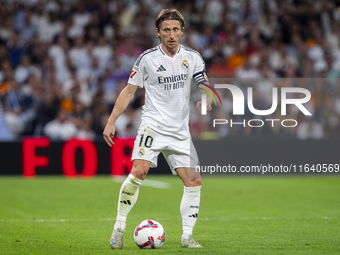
<point x="124" y="120"/>
<point x="12" y="110"/>
<point x="60" y="128"/>
<point x="332" y="127"/>
<point x="85" y="131"/>
<point x="309" y="129"/>
<point x="109" y="86"/>
<point x="236" y="59"/>
<point x="5" y="72"/>
<point x="76" y="57"/>
<point x="6" y="28"/>
<point x="16" y="48"/>
<point x="81" y="18"/>
<point x="5" y="134"/>
<point x="218" y="68"/>
<point x="103" y="52"/>
<point x="58" y="53"/>
<point x="246" y="71"/>
<point x="23" y="70"/>
<point x="267" y="23"/>
<point x="129" y="131"/>
<point x="27" y="29"/>
<point x="80" y="58"/>
<point x="47" y="111"/>
<point x="50" y="27"/>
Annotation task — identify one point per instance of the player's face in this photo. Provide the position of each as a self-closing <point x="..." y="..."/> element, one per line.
<point x="170" y="33"/>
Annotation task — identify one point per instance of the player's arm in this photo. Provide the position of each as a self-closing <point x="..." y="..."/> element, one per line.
<point x="209" y="99"/>
<point x="122" y="102"/>
<point x="201" y="79"/>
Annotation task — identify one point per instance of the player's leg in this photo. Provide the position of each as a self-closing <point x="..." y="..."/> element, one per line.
<point x="182" y="158"/>
<point x="128" y="195"/>
<point x="190" y="204"/>
<point x="145" y="153"/>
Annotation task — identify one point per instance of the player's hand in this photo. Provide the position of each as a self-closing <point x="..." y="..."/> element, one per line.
<point x="199" y="106"/>
<point x="109" y="133"/>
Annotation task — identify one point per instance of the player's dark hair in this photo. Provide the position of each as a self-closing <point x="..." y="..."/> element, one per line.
<point x="169" y="14"/>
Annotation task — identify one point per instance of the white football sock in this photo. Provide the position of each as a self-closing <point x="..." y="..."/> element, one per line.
<point x="128" y="195"/>
<point x="189" y="209"/>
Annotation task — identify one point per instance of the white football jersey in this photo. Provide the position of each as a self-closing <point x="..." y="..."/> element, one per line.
<point x="167" y="84"/>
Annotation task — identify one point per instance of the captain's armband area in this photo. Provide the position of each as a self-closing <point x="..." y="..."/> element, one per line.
<point x="200" y="78"/>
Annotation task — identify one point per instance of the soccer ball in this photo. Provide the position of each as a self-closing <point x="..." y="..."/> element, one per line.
<point x="149" y="234"/>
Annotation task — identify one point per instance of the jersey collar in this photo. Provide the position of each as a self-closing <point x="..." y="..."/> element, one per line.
<point x="161" y="50"/>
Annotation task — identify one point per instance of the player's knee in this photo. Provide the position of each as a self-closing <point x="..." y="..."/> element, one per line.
<point x="197" y="182"/>
<point x="193" y="182"/>
<point x="139" y="171"/>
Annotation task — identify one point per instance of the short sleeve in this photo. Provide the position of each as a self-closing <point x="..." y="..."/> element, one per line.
<point x="138" y="72"/>
<point x="199" y="72"/>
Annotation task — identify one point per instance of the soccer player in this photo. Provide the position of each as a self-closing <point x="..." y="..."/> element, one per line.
<point x="166" y="72"/>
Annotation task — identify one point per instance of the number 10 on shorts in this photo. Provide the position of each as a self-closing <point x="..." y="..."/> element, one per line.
<point x="148" y="141"/>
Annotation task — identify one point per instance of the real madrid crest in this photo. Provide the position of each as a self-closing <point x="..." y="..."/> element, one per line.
<point x="205" y="76"/>
<point x="141" y="152"/>
<point x="185" y="64"/>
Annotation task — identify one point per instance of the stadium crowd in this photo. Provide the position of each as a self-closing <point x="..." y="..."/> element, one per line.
<point x="64" y="62"/>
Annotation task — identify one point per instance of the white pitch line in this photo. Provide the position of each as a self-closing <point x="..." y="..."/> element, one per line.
<point x="201" y="219"/>
<point x="156" y="184"/>
<point x="149" y="183"/>
<point x="267" y="218"/>
<point x="56" y="220"/>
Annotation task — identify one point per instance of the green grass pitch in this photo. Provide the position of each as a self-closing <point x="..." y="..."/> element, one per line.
<point x="54" y="215"/>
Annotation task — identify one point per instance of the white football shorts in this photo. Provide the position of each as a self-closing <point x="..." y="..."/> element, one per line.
<point x="178" y="153"/>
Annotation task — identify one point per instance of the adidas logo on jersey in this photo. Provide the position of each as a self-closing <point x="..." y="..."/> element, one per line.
<point x="194" y="215"/>
<point x="161" y="69"/>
